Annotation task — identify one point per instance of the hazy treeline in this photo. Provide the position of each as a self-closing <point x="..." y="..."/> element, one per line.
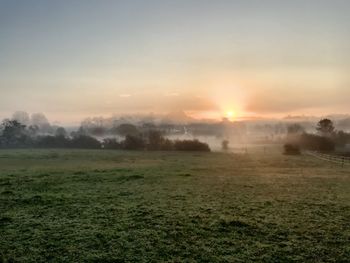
<point x="154" y="141"/>
<point x="14" y="134"/>
<point x="253" y="131"/>
<point x="101" y="127"/>
<point x="326" y="138"/>
<point x="24" y="130"/>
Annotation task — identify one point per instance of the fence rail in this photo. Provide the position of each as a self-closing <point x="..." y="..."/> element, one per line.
<point x="343" y="160"/>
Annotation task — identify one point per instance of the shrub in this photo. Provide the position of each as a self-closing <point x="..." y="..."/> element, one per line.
<point x="191" y="145"/>
<point x="133" y="143"/>
<point x="224" y="145"/>
<point x="341" y="138"/>
<point x="52" y="142"/>
<point x="111" y="143"/>
<point x="291" y="149"/>
<point x="84" y="142"/>
<point x="316" y="143"/>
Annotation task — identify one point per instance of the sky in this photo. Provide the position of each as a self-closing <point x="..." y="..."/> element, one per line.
<point x="237" y="58"/>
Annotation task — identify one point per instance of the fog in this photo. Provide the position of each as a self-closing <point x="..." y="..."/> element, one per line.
<point x="240" y="135"/>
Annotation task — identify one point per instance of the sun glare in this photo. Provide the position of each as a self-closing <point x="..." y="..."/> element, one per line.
<point x="230" y="115"/>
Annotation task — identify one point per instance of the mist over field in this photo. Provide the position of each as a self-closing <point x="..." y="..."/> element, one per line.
<point x="174" y="131"/>
<point x="179" y="126"/>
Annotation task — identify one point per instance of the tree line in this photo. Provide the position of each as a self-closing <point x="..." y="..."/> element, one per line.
<point x="14" y="134"/>
<point x="325" y="139"/>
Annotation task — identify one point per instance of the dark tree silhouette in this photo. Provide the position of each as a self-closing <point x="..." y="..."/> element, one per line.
<point x="325" y="127"/>
<point x="13" y="134"/>
<point x="61" y="132"/>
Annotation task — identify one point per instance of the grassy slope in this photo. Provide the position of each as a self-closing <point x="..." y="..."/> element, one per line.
<point x="100" y="206"/>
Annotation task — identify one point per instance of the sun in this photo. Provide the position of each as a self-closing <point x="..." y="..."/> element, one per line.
<point x="230" y="115"/>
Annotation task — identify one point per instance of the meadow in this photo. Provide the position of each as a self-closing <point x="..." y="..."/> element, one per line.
<point x="120" y="206"/>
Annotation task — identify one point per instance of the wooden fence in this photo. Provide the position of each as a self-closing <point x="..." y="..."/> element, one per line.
<point x="342" y="160"/>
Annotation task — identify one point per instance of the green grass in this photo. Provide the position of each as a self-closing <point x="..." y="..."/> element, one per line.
<point x="114" y="206"/>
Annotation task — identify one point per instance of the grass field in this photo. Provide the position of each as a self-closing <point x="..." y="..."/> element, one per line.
<point x="115" y="206"/>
